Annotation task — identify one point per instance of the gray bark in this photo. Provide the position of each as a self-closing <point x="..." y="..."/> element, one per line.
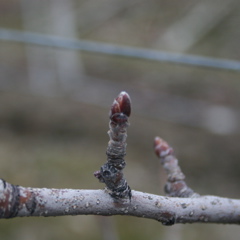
<point x="17" y="201"/>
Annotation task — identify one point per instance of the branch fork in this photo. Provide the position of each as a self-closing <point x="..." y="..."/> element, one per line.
<point x="183" y="205"/>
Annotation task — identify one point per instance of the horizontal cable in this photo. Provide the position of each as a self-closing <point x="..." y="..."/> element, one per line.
<point x="117" y="50"/>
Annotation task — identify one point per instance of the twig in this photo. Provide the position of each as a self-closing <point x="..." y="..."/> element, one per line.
<point x="17" y="201"/>
<point x="175" y="186"/>
<point x="111" y="172"/>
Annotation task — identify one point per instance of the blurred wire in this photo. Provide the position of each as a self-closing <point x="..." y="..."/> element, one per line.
<point x="117" y="50"/>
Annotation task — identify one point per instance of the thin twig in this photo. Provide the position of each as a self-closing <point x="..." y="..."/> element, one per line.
<point x="111" y="172"/>
<point x="175" y="186"/>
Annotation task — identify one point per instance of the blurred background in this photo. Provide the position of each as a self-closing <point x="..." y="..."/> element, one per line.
<point x="54" y="105"/>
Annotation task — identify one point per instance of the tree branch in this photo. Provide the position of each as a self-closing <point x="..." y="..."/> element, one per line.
<point x="184" y="205"/>
<point x="17" y="201"/>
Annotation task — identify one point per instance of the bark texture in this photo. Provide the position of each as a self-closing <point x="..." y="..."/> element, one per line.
<point x="17" y="201"/>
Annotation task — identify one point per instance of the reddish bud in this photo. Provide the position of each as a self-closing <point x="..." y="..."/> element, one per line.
<point x="162" y="149"/>
<point x="115" y="108"/>
<point x="122" y="104"/>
